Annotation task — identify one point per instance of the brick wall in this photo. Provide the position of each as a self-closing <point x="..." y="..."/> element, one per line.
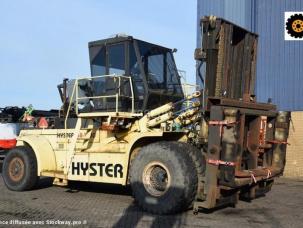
<point x="294" y="157"/>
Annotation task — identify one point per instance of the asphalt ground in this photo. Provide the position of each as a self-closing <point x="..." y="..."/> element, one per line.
<point x="98" y="205"/>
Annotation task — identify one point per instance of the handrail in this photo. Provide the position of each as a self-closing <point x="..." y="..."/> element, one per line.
<point x="69" y="106"/>
<point x="96" y="97"/>
<point x="132" y="92"/>
<point x="103" y="76"/>
<point x="117" y="95"/>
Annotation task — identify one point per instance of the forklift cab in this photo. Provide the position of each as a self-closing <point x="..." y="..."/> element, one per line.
<point x="154" y="76"/>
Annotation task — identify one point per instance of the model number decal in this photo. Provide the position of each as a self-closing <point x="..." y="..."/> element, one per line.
<point x="65" y="135"/>
<point x="70" y="135"/>
<point x="100" y="169"/>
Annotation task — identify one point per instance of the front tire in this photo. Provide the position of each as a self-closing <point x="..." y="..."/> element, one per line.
<point x="163" y="178"/>
<point x="20" y="169"/>
<point x="198" y="157"/>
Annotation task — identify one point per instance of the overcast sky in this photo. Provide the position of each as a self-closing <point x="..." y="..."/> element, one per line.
<point x="41" y="42"/>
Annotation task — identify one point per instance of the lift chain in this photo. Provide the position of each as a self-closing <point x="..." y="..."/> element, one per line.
<point x="222" y="123"/>
<point x="254" y="179"/>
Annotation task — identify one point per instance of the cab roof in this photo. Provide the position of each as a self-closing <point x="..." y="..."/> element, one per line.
<point x="121" y="38"/>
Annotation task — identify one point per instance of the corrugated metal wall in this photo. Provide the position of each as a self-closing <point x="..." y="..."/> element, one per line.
<point x="280" y="62"/>
<point x="237" y="11"/>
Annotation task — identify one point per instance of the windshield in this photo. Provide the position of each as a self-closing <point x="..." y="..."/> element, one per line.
<point x="160" y="68"/>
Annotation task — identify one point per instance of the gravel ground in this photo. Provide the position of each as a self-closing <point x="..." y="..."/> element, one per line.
<point x="99" y="205"/>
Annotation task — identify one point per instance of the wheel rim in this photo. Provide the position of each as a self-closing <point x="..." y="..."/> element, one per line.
<point x="297" y="25"/>
<point x="156" y="178"/>
<point x="16" y="169"/>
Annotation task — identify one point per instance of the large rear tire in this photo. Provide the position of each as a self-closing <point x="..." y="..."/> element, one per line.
<point x="20" y="169"/>
<point x="163" y="178"/>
